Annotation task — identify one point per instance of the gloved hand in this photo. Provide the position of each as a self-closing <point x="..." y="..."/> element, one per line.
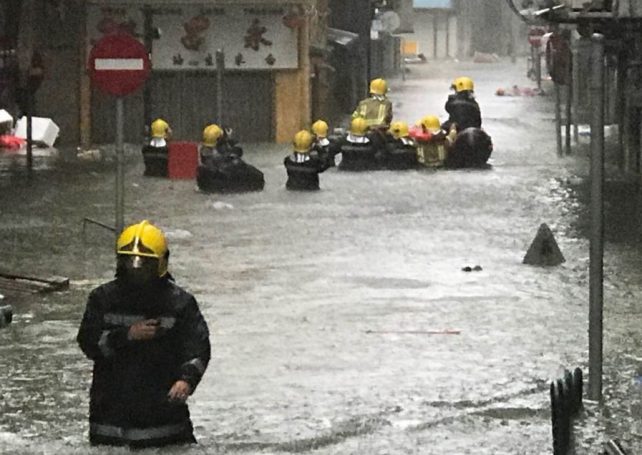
<point x="179" y="391"/>
<point x="143" y="330"/>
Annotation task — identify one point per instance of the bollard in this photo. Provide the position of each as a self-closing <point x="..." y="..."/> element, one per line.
<point x="559" y="419"/>
<point x="578" y="388"/>
<point x="6" y="315"/>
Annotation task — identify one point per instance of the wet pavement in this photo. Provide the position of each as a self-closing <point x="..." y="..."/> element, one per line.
<point x="341" y="320"/>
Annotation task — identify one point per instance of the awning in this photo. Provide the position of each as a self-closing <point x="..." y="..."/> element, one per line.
<point x="342" y="37"/>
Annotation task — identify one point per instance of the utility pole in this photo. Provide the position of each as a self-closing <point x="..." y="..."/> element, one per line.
<point x="596" y="277"/>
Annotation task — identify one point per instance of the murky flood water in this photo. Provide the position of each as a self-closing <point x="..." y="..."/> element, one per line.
<point x="330" y="312"/>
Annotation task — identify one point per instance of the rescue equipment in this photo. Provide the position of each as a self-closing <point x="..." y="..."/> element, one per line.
<point x="462" y="84"/>
<point x="378" y="87"/>
<point x="302" y="141"/>
<point x="320" y="129"/>
<point x="145" y="240"/>
<point x="160" y="128"/>
<point x="211" y="134"/>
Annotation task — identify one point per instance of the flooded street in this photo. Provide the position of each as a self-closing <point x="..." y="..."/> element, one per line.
<point x="341" y="320"/>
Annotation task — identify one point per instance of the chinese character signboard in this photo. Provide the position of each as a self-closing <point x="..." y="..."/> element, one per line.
<point x="252" y="37"/>
<point x="114" y="19"/>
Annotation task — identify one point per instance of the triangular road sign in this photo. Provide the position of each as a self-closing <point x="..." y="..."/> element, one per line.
<point x="544" y="249"/>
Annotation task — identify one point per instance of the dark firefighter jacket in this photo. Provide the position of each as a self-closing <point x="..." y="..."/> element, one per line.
<point x="131" y="379"/>
<point x="400" y="154"/>
<point x="360" y="153"/>
<point x="155" y="159"/>
<point x="303" y="170"/>
<point x="222" y="170"/>
<point x="326" y="149"/>
<point x="463" y="110"/>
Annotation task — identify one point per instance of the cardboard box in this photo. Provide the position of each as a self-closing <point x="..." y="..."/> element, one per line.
<point x="44" y="130"/>
<point x="6" y="122"/>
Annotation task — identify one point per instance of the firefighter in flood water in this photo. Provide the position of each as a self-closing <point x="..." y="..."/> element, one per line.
<point x="360" y="149"/>
<point x="302" y="166"/>
<point x="462" y="107"/>
<point x="401" y="149"/>
<point x="222" y="170"/>
<point x="150" y="347"/>
<point x="155" y="153"/>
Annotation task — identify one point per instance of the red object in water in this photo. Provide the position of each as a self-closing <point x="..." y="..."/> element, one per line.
<point x="182" y="160"/>
<point x="11" y="142"/>
<point x="419" y="134"/>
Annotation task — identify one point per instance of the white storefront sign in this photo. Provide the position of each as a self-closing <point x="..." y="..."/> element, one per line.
<point x="252" y="37"/>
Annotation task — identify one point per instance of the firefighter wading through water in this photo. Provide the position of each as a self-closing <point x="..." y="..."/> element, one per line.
<point x="150" y="347"/>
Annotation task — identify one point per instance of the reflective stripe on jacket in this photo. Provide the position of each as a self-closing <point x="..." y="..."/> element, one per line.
<point x="131" y="379"/>
<point x="376" y="111"/>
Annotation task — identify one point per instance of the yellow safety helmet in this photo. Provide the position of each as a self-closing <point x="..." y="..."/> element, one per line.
<point x="358" y="126"/>
<point x="399" y="130"/>
<point x="160" y="128"/>
<point x="302" y="141"/>
<point x="320" y="128"/>
<point x="211" y="134"/>
<point x="378" y="87"/>
<point x="431" y="123"/>
<point x="462" y="84"/>
<point x="144" y="239"/>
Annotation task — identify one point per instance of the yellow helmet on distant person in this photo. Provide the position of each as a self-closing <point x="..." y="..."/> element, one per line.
<point x="302" y="141"/>
<point x="399" y="129"/>
<point x="211" y="134"/>
<point x="431" y="123"/>
<point x="320" y="128"/>
<point x="160" y="128"/>
<point x="146" y="240"/>
<point x="359" y="126"/>
<point x="378" y="87"/>
<point x="462" y="84"/>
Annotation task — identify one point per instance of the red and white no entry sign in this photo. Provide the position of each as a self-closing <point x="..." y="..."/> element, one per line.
<point x="119" y="64"/>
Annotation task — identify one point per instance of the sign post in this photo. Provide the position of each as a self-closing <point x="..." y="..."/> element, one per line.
<point x="119" y="65"/>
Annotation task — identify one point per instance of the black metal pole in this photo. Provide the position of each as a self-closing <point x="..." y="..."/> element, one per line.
<point x="558" y="118"/>
<point x="220" y="70"/>
<point x="147" y="89"/>
<point x="29" y="104"/>
<point x="569" y="105"/>
<point x="596" y="277"/>
<point x="120" y="166"/>
<point x="369" y="48"/>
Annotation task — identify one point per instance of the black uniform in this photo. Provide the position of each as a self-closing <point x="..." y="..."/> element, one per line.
<point x="131" y="379"/>
<point x="463" y="110"/>
<point x="303" y="170"/>
<point x="326" y="149"/>
<point x="401" y="154"/>
<point x="155" y="159"/>
<point x="361" y="153"/>
<point x="223" y="171"/>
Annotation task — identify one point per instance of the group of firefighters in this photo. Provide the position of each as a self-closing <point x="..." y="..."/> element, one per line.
<point x="373" y="141"/>
<point x="147" y="336"/>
